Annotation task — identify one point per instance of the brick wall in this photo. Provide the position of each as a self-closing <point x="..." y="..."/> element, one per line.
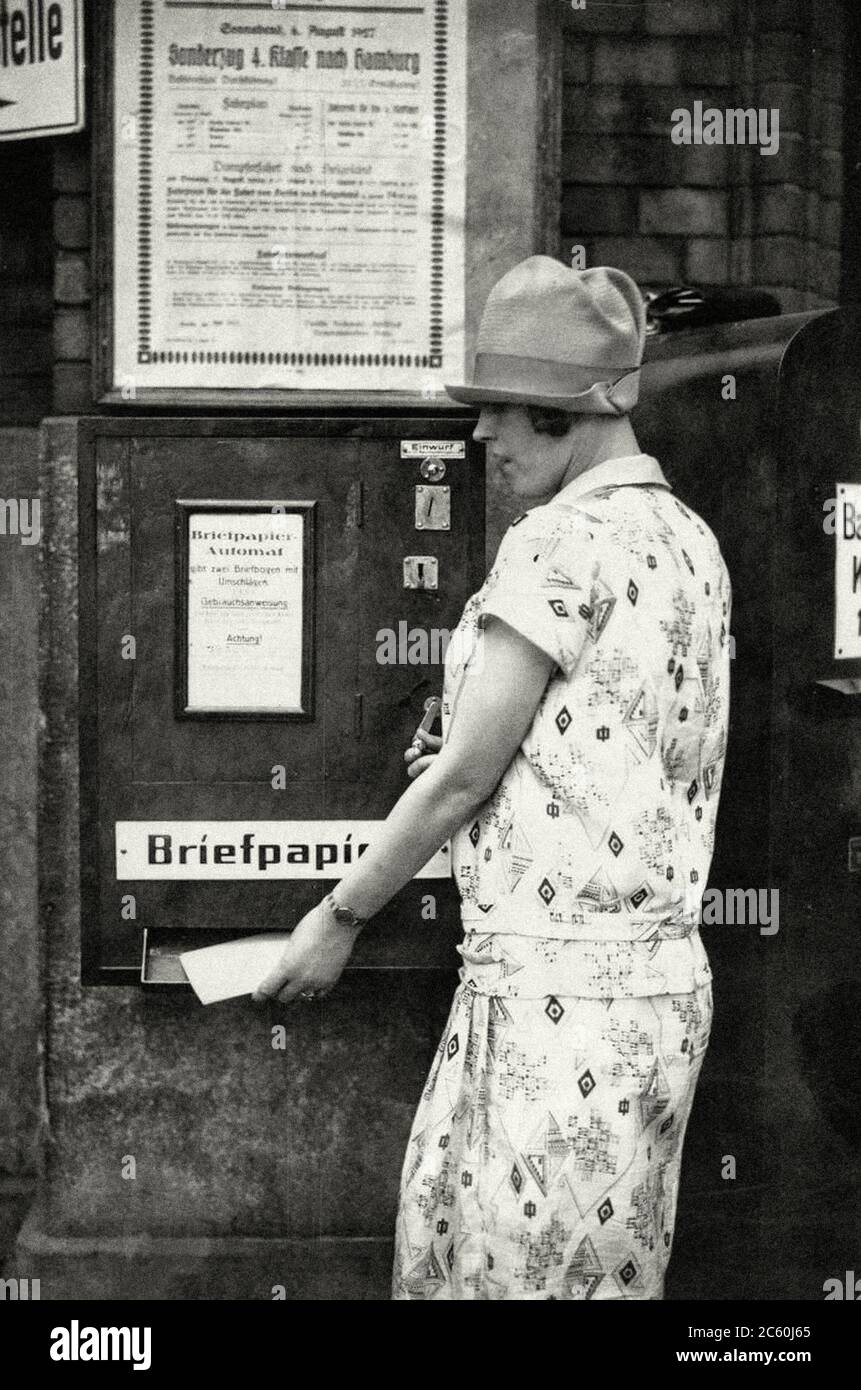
<point x="72" y="267"/>
<point x="666" y="213"/>
<point x="25" y="282"/>
<point x="44" y="278"/>
<point x="705" y="214"/>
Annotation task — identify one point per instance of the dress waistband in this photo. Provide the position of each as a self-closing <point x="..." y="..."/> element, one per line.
<point x="592" y="926"/>
<point x="511" y="965"/>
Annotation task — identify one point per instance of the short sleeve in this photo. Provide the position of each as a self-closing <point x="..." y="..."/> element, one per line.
<point x="541" y="583"/>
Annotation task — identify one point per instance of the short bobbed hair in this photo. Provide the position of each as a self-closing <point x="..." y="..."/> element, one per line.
<point x="549" y="420"/>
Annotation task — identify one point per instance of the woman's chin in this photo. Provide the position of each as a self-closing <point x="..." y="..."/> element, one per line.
<point x="514" y="486"/>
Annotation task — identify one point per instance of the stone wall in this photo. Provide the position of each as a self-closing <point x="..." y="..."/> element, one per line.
<point x="20" y="1003"/>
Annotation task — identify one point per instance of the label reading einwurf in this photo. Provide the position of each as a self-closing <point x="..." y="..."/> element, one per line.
<point x="433" y="448"/>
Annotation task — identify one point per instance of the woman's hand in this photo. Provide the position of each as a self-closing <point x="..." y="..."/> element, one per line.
<point x="312" y="961"/>
<point x="417" y="759"/>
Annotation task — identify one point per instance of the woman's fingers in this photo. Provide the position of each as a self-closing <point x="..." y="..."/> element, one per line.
<point x="422" y="744"/>
<point x="420" y="765"/>
<point x="300" y="991"/>
<point x="273" y="982"/>
<point x="291" y="991"/>
<point x="288" y="991"/>
<point x="430" y="741"/>
<point x="287" y="984"/>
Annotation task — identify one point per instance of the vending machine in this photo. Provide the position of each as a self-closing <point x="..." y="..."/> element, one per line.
<point x="265" y="606"/>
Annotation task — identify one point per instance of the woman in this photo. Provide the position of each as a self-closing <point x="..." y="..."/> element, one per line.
<point x="585" y="713"/>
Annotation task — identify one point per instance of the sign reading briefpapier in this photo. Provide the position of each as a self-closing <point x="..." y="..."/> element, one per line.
<point x="289" y="195"/>
<point x="252" y="850"/>
<point x="41" y="68"/>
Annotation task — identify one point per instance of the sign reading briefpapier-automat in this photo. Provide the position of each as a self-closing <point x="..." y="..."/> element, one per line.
<point x="289" y="195"/>
<point x="41" y="68"/>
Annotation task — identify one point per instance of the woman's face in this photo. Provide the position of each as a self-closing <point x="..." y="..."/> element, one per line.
<point x="531" y="465"/>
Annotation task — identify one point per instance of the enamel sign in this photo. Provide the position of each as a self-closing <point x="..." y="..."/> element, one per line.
<point x="41" y="68"/>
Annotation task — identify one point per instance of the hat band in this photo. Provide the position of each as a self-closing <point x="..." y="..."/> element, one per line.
<point x="497" y="371"/>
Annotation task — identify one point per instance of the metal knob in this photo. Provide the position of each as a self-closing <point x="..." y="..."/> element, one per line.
<point x="432" y="470"/>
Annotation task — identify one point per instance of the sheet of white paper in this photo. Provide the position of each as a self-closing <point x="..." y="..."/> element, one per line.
<point x="232" y="967"/>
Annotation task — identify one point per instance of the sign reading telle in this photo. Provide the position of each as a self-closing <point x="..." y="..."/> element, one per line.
<point x="41" y="68"/>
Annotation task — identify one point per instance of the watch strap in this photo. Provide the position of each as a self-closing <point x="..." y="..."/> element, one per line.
<point x="344" y="915"/>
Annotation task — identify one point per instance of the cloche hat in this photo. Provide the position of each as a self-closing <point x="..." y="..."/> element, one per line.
<point x="554" y="336"/>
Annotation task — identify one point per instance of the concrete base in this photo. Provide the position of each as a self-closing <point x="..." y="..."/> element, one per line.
<point x="15" y="1199"/>
<point x="187" y="1269"/>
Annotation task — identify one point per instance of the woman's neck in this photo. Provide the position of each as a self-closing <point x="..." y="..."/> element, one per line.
<point x="596" y="440"/>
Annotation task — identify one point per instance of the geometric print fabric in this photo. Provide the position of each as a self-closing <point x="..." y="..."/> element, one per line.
<point x="606" y="816"/>
<point x="544" y="1158"/>
<point x="545" y="1153"/>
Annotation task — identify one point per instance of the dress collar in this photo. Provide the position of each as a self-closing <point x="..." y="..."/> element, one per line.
<point x="618" y="472"/>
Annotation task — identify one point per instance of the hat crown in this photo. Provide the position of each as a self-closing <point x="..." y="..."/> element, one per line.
<point x="554" y="336"/>
<point x="545" y="310"/>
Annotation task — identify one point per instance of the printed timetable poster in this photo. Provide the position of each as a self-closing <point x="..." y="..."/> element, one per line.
<point x="289" y="195"/>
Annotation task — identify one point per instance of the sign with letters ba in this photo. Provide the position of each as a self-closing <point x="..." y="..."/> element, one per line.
<point x="847" y="572"/>
<point x="41" y="68"/>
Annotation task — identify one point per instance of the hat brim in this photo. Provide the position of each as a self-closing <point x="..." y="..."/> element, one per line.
<point x="476" y="395"/>
<point x="584" y="402"/>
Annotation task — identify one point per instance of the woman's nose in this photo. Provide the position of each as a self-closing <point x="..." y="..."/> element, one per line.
<point x="484" y="428"/>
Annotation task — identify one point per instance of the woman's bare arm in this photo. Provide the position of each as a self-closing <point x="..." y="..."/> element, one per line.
<point x="496" y="705"/>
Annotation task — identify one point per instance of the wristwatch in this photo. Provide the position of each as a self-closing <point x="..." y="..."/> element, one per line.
<point x="345" y="916"/>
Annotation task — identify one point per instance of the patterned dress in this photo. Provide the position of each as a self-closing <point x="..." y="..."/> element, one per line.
<point x="545" y="1153"/>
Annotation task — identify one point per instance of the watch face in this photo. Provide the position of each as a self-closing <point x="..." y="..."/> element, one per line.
<point x="343" y="914"/>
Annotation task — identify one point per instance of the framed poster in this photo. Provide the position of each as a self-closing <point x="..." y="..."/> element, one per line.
<point x="281" y="207"/>
<point x="245" y="610"/>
